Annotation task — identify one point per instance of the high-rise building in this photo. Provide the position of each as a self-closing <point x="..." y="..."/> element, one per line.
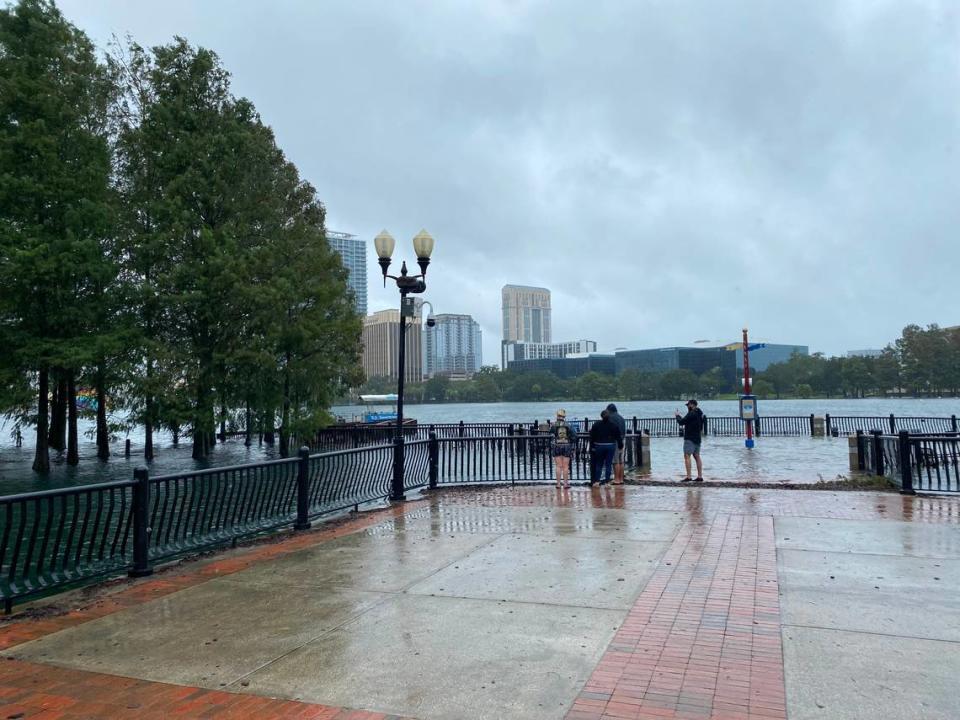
<point x="452" y="347"/>
<point x="526" y="314"/>
<point x="381" y="345"/>
<point x="353" y="253"/>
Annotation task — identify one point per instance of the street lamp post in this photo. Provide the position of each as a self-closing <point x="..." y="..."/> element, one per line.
<point x="407" y="285"/>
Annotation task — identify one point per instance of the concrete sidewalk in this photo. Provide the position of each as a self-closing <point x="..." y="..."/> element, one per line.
<point x="533" y="603"/>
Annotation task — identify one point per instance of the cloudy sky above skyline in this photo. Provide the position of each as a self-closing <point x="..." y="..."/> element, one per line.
<point x="670" y="170"/>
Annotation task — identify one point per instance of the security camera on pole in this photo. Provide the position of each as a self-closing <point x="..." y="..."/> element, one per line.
<point x="407" y="284"/>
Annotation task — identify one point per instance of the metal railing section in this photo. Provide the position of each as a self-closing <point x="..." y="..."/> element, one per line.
<point x="914" y="462"/>
<point x="58" y="537"/>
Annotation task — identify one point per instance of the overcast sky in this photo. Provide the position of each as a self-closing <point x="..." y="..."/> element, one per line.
<point x="670" y="170"/>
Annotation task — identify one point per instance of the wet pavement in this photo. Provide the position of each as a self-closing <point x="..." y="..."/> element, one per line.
<point x="636" y="602"/>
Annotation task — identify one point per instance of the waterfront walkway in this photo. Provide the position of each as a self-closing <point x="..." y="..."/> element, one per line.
<point x="618" y="603"/>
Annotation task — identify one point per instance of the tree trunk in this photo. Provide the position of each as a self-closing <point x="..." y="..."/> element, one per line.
<point x="41" y="458"/>
<point x="58" y="421"/>
<point x="103" y="432"/>
<point x="203" y="421"/>
<point x="148" y="409"/>
<point x="285" y="416"/>
<point x="175" y="429"/>
<point x="246" y="427"/>
<point x="269" y="427"/>
<point x="73" y="452"/>
<point x="223" y="419"/>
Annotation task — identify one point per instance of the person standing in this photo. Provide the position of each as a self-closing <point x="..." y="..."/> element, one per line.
<point x="617" y="419"/>
<point x="605" y="438"/>
<point x="692" y="424"/>
<point x="564" y="444"/>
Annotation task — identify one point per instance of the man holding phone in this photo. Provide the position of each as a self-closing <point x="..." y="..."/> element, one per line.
<point x="692" y="424"/>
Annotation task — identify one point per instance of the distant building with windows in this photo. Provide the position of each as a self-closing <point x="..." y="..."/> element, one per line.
<point x="353" y="253"/>
<point x="381" y="346"/>
<point x="452" y="347"/>
<point x="698" y="360"/>
<point x="872" y="352"/>
<point x="570" y="366"/>
<point x="526" y="314"/>
<point x="513" y="352"/>
<point x="763" y="357"/>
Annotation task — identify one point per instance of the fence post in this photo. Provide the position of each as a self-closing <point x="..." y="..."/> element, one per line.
<point x="829" y="426"/>
<point x="634" y="424"/>
<point x="861" y="459"/>
<point x="434" y="459"/>
<point x="756" y="426"/>
<point x="460" y="429"/>
<point x="303" y="489"/>
<point x="878" y="468"/>
<point x="906" y="471"/>
<point x="893" y="424"/>
<point x="141" y="524"/>
<point x="813" y="426"/>
<point x="953" y="422"/>
<point x="126" y="448"/>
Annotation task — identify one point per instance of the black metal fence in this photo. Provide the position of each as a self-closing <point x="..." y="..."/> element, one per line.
<point x="915" y="462"/>
<point x="516" y="459"/>
<point x="892" y="424"/>
<point x="344" y="438"/>
<point x="58" y="538"/>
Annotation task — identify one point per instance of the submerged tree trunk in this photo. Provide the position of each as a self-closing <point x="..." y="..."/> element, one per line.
<point x="285" y="415"/>
<point x="246" y="427"/>
<point x="58" y="420"/>
<point x="223" y="418"/>
<point x="103" y="432"/>
<point x="148" y="411"/>
<point x="41" y="458"/>
<point x="73" y="451"/>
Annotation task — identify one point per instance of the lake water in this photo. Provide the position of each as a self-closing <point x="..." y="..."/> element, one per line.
<point x="774" y="460"/>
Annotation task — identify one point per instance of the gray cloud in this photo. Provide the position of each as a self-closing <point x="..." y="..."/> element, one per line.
<point x="671" y="170"/>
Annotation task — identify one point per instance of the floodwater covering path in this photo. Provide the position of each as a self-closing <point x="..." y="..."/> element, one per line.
<point x="636" y="602"/>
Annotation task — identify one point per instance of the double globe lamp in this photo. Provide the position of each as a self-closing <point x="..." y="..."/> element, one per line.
<point x="407" y="284"/>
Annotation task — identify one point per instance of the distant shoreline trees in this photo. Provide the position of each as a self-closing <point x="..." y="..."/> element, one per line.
<point x="157" y="248"/>
<point x="923" y="362"/>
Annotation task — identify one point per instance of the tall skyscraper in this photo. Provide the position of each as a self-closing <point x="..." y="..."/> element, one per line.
<point x="381" y="344"/>
<point x="452" y="347"/>
<point x="353" y="252"/>
<point x="526" y="314"/>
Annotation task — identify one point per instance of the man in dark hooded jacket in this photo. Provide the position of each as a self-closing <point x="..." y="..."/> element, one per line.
<point x="692" y="424"/>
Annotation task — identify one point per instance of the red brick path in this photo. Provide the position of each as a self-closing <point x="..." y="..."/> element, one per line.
<point x="28" y="690"/>
<point x="703" y="639"/>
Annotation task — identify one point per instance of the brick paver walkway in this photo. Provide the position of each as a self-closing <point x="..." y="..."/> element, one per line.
<point x="43" y="692"/>
<point x="702" y="641"/>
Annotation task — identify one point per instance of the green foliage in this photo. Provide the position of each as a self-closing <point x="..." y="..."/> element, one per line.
<point x="156" y="240"/>
<point x="920" y="362"/>
<point x="54" y="199"/>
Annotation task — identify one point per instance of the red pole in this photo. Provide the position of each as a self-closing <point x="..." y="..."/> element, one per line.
<point x="746" y="384"/>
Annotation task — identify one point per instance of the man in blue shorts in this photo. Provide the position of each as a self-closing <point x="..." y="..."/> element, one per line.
<point x="692" y="424"/>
